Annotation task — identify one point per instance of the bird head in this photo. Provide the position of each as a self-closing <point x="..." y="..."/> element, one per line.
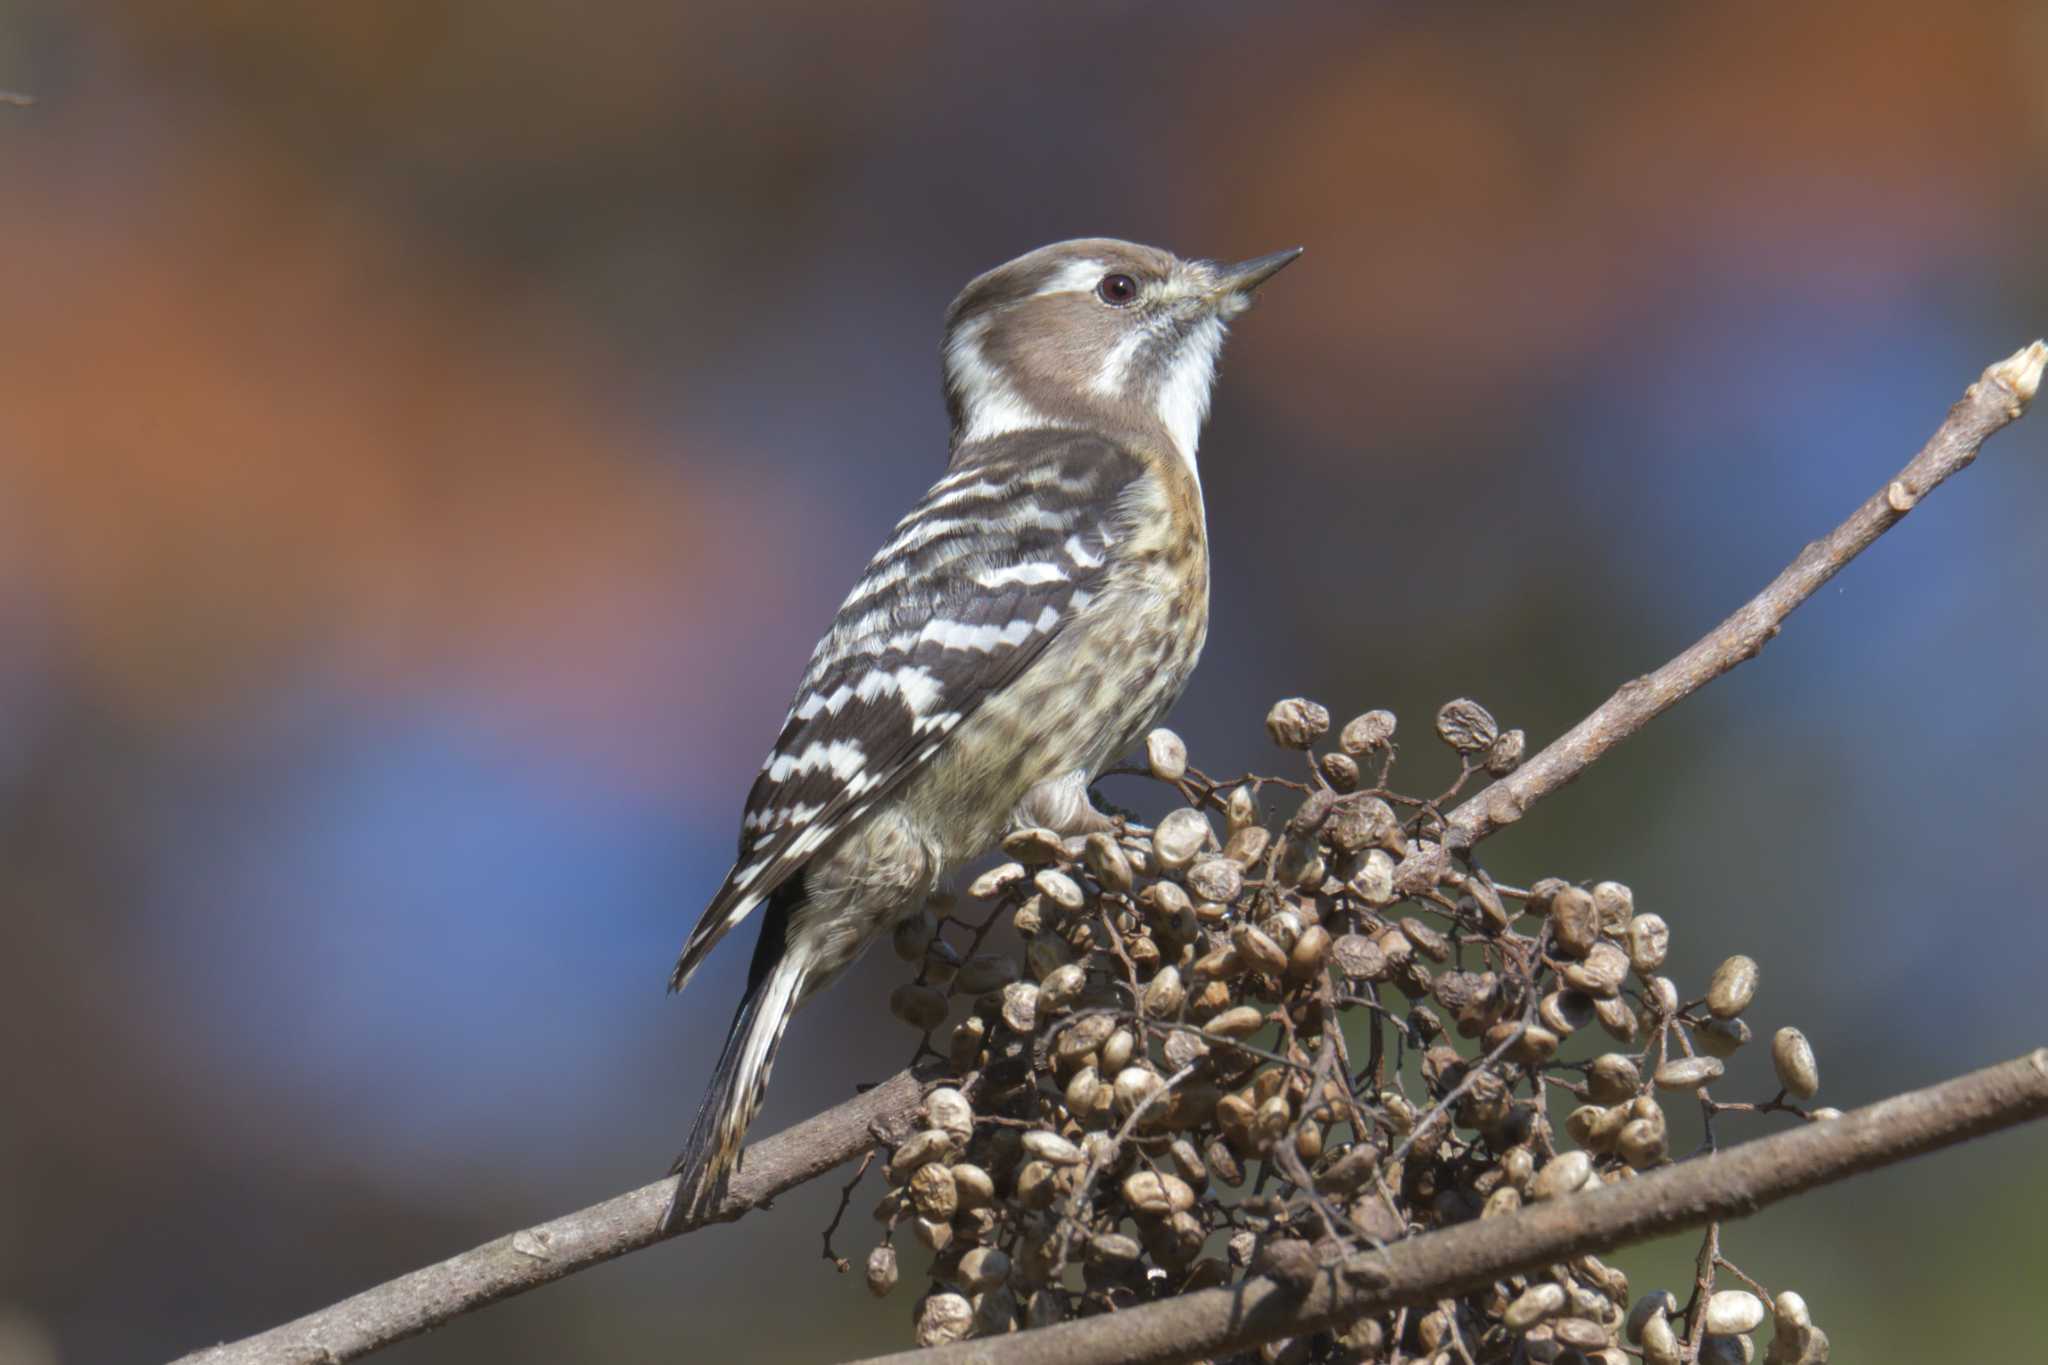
<point x="1098" y="335"/>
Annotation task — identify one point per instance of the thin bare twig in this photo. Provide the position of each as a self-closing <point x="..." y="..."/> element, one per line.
<point x="1999" y="397"/>
<point x="840" y="1263"/>
<point x="533" y="1256"/>
<point x="1421" y="1270"/>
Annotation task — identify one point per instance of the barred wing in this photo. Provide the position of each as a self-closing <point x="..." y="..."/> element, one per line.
<point x="975" y="582"/>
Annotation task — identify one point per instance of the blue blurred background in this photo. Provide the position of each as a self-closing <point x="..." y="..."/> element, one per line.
<point x="433" y="434"/>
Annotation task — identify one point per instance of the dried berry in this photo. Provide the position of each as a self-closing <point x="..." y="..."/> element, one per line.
<point x="1574" y="922"/>
<point x="1340" y="771"/>
<point x="1179" y="837"/>
<point x="1215" y="879"/>
<point x="949" y="1111"/>
<point x="882" y="1270"/>
<point x="942" y="1318"/>
<point x="933" y="1192"/>
<point x="1062" y="890"/>
<point x="1466" y="726"/>
<point x="1733" y="1311"/>
<point x="1363" y="734"/>
<point x="1732" y="987"/>
<point x="1158" y="1028"/>
<point x="1537" y="1302"/>
<point x="1649" y="942"/>
<point x="921" y="1007"/>
<point x="1297" y="723"/>
<point x="1166" y="755"/>
<point x="1107" y="862"/>
<point x="1688" y="1073"/>
<point x="1504" y="755"/>
<point x="1612" y="1078"/>
<point x="1602" y="973"/>
<point x="996" y="880"/>
<point x="1721" y="1037"/>
<point x="1035" y="847"/>
<point x="1060" y="991"/>
<point x="913" y="936"/>
<point x="1241" y="1022"/>
<point x="1792" y="1058"/>
<point x="1616" y="905"/>
<point x="1561" y="1175"/>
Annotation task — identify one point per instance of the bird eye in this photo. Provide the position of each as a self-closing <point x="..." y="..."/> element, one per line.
<point x="1117" y="290"/>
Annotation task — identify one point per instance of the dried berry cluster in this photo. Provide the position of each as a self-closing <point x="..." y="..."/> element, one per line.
<point x="1271" y="1046"/>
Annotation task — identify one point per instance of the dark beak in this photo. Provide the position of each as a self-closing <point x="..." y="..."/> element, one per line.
<point x="1241" y="279"/>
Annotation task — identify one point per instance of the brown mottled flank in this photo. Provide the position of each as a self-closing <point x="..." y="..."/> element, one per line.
<point x="1024" y="625"/>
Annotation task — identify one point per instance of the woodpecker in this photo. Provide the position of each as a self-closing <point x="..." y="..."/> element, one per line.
<point x="1028" y="621"/>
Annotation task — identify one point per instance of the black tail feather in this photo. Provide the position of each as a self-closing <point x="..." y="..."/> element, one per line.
<point x="713" y="1150"/>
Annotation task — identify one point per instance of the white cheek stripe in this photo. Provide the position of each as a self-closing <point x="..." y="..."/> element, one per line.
<point x="1184" y="394"/>
<point x="1115" y="370"/>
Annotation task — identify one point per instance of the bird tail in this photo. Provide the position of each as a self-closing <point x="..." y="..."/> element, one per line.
<point x="740" y="1080"/>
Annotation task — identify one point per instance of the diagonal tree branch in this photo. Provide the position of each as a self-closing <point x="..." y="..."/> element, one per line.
<point x="1421" y="1270"/>
<point x="426" y="1298"/>
<point x="1999" y="397"/>
<point x="533" y="1256"/>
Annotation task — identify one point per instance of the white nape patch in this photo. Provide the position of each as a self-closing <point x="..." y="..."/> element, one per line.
<point x="841" y="757"/>
<point x="1083" y="557"/>
<point x="1021" y="573"/>
<point x="990" y="405"/>
<point x="1074" y="277"/>
<point x="1184" y="394"/>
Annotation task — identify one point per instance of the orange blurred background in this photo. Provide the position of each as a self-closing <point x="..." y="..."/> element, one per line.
<point x="432" y="436"/>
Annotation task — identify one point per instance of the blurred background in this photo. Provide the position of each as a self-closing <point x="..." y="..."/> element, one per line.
<point x="432" y="436"/>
